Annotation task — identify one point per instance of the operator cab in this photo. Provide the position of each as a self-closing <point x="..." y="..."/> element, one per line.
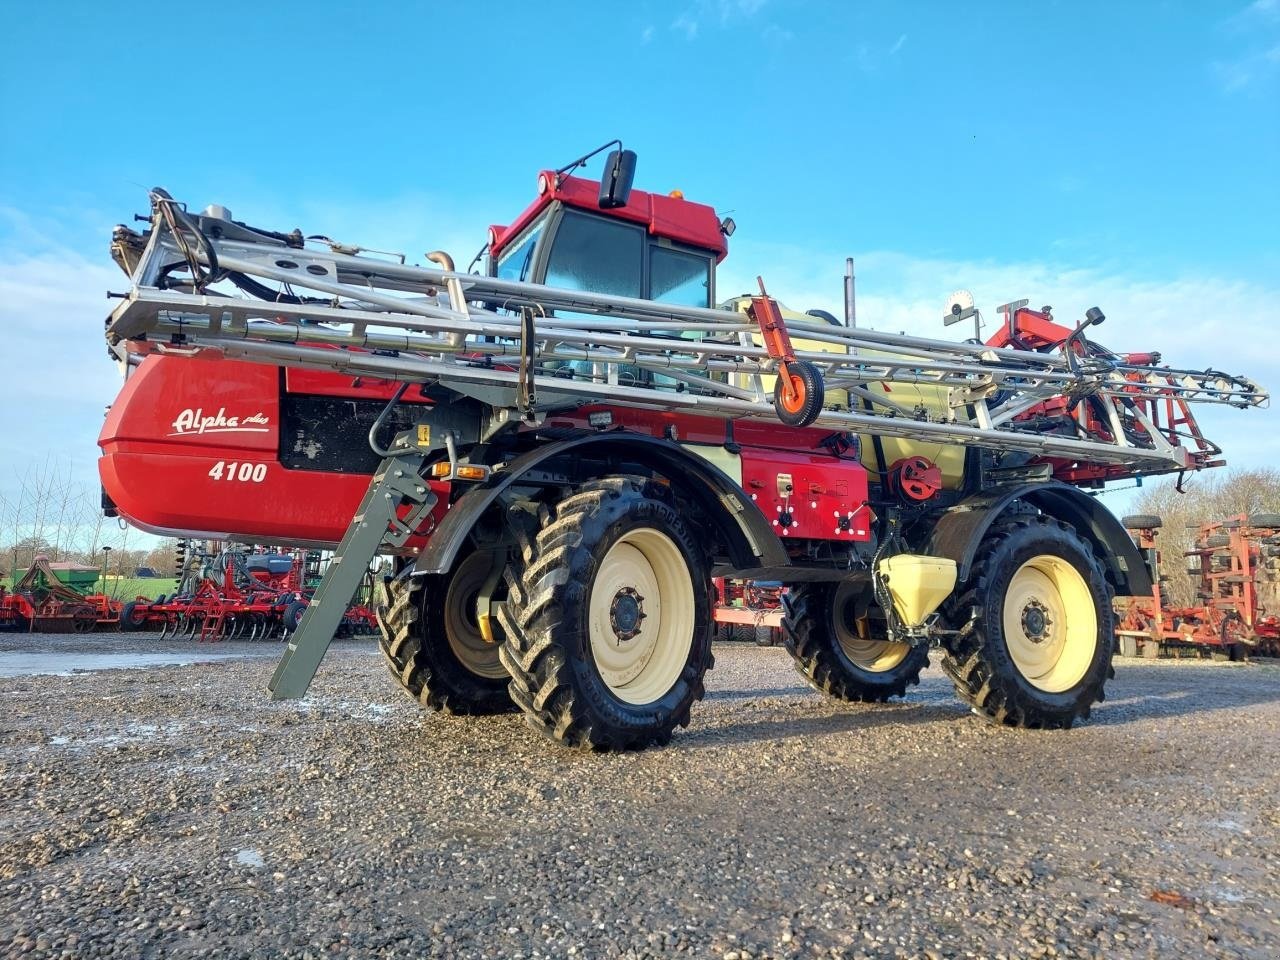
<point x="652" y="247"/>
<point x="607" y="238"/>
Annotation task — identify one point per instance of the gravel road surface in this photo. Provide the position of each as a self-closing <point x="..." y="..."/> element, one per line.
<point x="173" y="810"/>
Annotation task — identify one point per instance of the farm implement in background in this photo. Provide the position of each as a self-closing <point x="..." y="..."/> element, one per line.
<point x="235" y="594"/>
<point x="41" y="603"/>
<point x="1235" y="565"/>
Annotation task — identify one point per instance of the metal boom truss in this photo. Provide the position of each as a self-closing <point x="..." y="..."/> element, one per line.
<point x="204" y="282"/>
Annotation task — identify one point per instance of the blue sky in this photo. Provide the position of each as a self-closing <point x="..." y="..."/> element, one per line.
<point x="1123" y="154"/>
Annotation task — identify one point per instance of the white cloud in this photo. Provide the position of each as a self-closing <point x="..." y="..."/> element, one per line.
<point x="685" y="24"/>
<point x="646" y="34"/>
<point x="1248" y="71"/>
<point x="722" y="13"/>
<point x="1259" y="10"/>
<point x="58" y="378"/>
<point x="897" y="44"/>
<point x="862" y="58"/>
<point x="1256" y="28"/>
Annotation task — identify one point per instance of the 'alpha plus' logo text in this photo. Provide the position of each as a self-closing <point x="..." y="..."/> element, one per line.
<point x="195" y="422"/>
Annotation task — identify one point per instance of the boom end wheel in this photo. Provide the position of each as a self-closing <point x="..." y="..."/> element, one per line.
<point x="798" y="393"/>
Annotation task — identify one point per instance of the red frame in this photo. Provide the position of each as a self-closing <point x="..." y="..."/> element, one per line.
<point x="675" y="218"/>
<point x="1229" y="614"/>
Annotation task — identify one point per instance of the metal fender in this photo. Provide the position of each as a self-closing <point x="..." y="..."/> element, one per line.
<point x="960" y="530"/>
<point x="750" y="540"/>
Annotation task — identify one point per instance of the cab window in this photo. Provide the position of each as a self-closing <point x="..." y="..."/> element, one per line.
<point x="683" y="279"/>
<point x="602" y="256"/>
<point x="516" y="263"/>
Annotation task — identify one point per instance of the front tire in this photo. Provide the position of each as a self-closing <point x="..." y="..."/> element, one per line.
<point x="607" y="620"/>
<point x="820" y="629"/>
<point x="1037" y="628"/>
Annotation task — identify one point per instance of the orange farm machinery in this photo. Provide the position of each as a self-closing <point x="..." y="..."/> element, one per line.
<point x="561" y="450"/>
<point x="1235" y="565"/>
<point x="41" y="603"/>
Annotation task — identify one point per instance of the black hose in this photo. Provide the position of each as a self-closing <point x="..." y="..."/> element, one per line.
<point x="377" y="424"/>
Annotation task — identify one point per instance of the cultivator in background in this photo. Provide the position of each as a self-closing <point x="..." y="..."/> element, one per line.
<point x="1236" y="563"/>
<point x="748" y="610"/>
<point x="41" y="603"/>
<point x="235" y="595"/>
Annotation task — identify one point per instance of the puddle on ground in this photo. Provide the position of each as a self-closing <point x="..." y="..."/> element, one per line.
<point x="16" y="663"/>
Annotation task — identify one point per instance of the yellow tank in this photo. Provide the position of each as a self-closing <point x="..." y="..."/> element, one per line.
<point x="948" y="456"/>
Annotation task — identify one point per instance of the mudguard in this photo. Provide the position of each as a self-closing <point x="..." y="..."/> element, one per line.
<point x="960" y="530"/>
<point x="750" y="540"/>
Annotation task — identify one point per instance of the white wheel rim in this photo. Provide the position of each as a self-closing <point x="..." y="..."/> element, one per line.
<point x="641" y="616"/>
<point x="1050" y="624"/>
<point x="873" y="656"/>
<point x="460" y="627"/>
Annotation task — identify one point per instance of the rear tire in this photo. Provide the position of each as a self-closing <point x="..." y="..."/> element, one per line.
<point x="1037" y="627"/>
<point x="607" y="619"/>
<point x="764" y="636"/>
<point x="433" y="646"/>
<point x="820" y="631"/>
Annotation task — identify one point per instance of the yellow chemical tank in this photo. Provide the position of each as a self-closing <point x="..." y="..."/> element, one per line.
<point x="948" y="456"/>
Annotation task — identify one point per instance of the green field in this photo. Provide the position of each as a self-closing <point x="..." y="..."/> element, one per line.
<point x="126" y="588"/>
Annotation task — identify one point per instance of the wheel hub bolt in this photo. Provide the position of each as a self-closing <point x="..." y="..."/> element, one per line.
<point x="626" y="613"/>
<point x="1035" y="621"/>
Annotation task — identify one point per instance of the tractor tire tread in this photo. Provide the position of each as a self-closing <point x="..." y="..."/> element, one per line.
<point x="1142" y="521"/>
<point x="968" y="664"/>
<point x="817" y="662"/>
<point x="555" y="576"/>
<point x="401" y="643"/>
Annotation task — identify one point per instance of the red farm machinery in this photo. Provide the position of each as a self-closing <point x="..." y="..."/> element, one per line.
<point x="561" y="450"/>
<point x="41" y="603"/>
<point x="748" y="610"/>
<point x="233" y="594"/>
<point x="1235" y="566"/>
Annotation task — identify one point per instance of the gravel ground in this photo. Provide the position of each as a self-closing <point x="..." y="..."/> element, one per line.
<point x="175" y="811"/>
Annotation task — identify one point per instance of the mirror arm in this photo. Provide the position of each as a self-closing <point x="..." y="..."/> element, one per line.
<point x="582" y="160"/>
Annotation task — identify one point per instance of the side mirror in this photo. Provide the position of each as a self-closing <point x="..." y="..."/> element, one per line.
<point x="615" y="185"/>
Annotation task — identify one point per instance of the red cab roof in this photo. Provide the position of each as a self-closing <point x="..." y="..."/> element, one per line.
<point x="675" y="218"/>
